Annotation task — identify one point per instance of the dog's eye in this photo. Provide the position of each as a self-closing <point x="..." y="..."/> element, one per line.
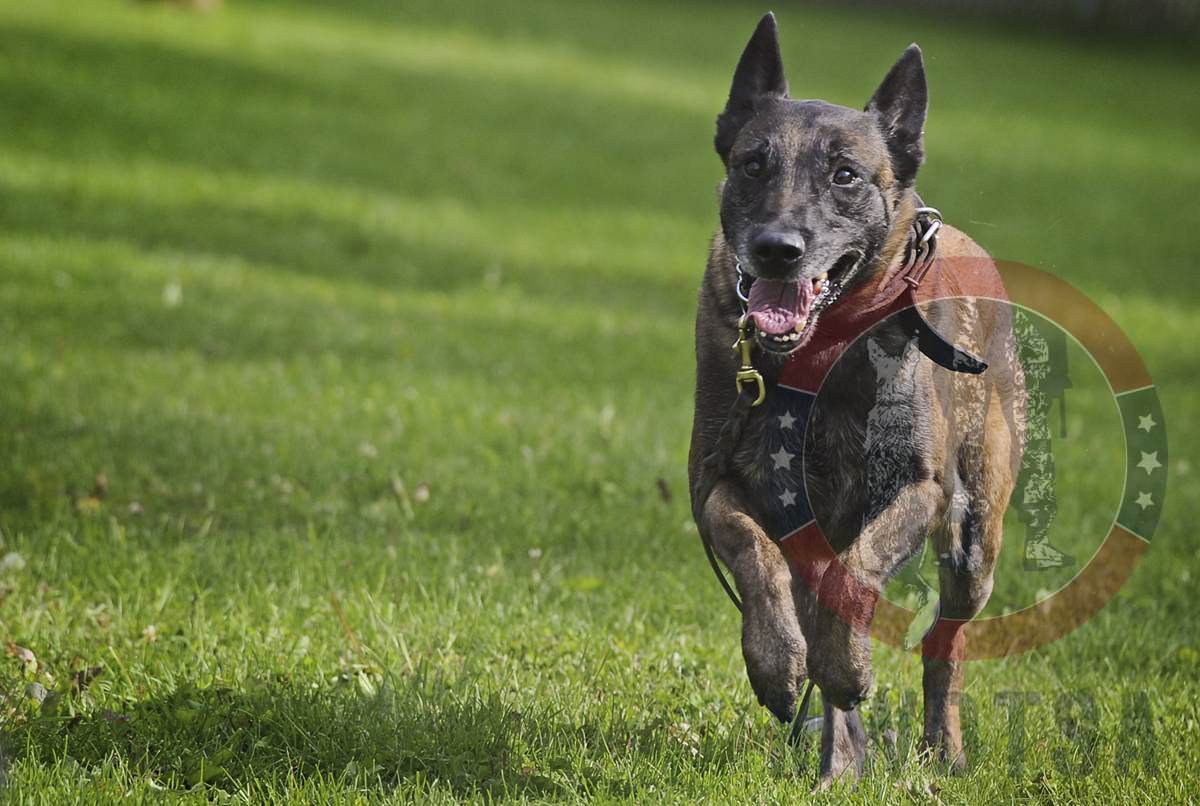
<point x="844" y="176"/>
<point x="753" y="167"/>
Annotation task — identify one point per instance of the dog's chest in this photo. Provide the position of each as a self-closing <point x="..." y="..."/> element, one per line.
<point x="836" y="457"/>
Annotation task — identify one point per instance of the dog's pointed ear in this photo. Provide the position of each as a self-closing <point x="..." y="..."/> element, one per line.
<point x="759" y="76"/>
<point x="900" y="105"/>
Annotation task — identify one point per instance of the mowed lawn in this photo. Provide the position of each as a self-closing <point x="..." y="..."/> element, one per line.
<point x="345" y="390"/>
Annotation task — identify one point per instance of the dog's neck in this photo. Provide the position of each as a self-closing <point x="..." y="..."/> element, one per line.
<point x="888" y="261"/>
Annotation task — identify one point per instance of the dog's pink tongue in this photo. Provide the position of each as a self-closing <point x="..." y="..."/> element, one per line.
<point x="777" y="307"/>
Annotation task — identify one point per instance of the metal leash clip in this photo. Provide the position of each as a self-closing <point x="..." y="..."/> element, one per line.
<point x="747" y="373"/>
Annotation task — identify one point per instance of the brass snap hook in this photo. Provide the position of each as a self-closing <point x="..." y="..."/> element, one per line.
<point x="747" y="373"/>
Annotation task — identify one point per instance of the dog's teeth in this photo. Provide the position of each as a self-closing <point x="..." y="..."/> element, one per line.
<point x="824" y="276"/>
<point x="800" y="325"/>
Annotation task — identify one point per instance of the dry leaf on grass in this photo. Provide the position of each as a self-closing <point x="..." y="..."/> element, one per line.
<point x="19" y="652"/>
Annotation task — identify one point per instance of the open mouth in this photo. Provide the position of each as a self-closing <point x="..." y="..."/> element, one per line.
<point x="785" y="313"/>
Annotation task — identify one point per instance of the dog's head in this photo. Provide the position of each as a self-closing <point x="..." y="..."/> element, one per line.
<point x="812" y="189"/>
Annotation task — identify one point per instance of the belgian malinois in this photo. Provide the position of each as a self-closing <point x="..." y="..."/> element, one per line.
<point x="817" y="212"/>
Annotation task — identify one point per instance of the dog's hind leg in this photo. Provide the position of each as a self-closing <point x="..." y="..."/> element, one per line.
<point x="968" y="545"/>
<point x="843" y="744"/>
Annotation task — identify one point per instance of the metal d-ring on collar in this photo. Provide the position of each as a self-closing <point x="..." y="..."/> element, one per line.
<point x="743" y="296"/>
<point x="922" y="245"/>
<point x="922" y="248"/>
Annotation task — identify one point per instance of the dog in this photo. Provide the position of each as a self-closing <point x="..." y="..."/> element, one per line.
<point x="817" y="210"/>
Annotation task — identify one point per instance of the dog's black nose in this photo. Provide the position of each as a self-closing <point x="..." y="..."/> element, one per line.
<point x="777" y="252"/>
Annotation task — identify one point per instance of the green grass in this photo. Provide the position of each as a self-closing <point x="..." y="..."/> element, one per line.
<point x="377" y="321"/>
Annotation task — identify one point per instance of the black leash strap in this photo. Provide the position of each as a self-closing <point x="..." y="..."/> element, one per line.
<point x="715" y="467"/>
<point x="797" y="731"/>
<point x="935" y="346"/>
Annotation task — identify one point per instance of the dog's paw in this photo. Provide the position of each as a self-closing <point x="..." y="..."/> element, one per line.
<point x="839" y="661"/>
<point x="944" y="750"/>
<point x="839" y="639"/>
<point x="774" y="649"/>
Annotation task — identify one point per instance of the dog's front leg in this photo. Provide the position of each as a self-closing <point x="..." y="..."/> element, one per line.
<point x="772" y="643"/>
<point x="844" y="607"/>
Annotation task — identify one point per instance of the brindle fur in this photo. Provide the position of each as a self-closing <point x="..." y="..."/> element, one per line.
<point x="898" y="449"/>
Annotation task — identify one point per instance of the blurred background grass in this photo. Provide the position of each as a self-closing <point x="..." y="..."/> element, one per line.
<point x="376" y="320"/>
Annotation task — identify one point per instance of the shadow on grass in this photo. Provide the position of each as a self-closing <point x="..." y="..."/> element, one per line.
<point x="283" y="731"/>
